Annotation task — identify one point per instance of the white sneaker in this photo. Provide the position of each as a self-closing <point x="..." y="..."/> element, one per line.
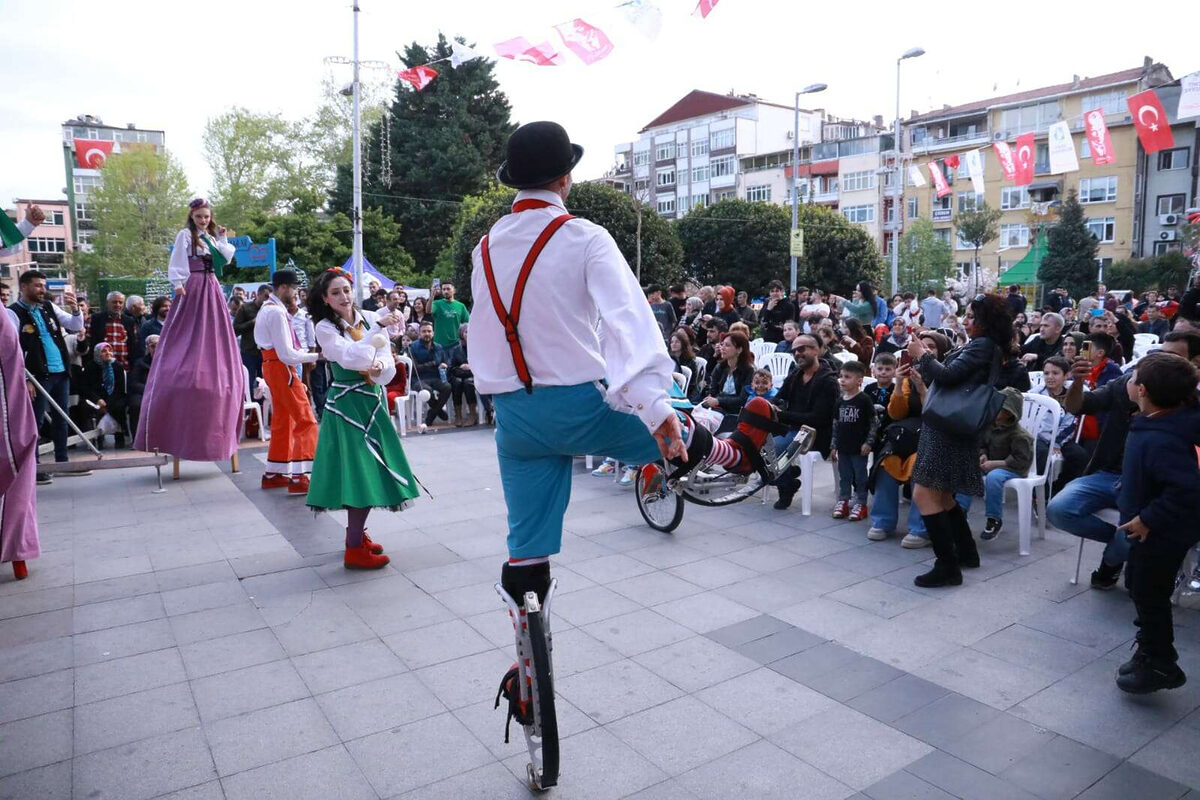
<point x="607" y="467"/>
<point x="912" y="542"/>
<point x="628" y="478"/>
<point x="878" y="534"/>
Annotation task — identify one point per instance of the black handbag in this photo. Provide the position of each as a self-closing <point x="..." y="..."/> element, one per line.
<point x="964" y="411"/>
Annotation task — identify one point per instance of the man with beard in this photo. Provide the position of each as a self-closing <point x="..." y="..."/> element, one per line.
<point x="807" y="397"/>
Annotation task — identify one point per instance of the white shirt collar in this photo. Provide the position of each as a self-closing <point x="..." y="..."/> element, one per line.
<point x="541" y="194"/>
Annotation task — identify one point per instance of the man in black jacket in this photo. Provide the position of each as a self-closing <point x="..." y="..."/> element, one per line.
<point x="807" y="397"/>
<point x="118" y="328"/>
<point x="1047" y="343"/>
<point x="776" y="311"/>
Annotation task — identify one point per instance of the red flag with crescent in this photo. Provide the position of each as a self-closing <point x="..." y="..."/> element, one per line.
<point x="584" y="40"/>
<point x="1150" y="119"/>
<point x="1008" y="164"/>
<point x="92" y="153"/>
<point x="1099" y="139"/>
<point x="939" y="180"/>
<point x="419" y="77"/>
<point x="1025" y="155"/>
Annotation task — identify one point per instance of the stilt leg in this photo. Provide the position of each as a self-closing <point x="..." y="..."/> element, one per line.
<point x="175" y="469"/>
<point x="234" y="464"/>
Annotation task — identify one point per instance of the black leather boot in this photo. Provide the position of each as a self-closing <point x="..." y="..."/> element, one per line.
<point x="787" y="484"/>
<point x="945" y="570"/>
<point x="964" y="541"/>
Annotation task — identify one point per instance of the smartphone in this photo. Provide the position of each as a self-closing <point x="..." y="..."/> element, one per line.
<point x="1096" y="312"/>
<point x="1086" y="351"/>
<point x="437" y="284"/>
<point x="905" y="358"/>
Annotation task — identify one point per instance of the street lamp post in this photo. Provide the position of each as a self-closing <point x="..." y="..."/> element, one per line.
<point x="899" y="176"/>
<point x="816" y="87"/>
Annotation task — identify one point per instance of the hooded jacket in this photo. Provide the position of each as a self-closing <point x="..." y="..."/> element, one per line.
<point x="1009" y="442"/>
<point x="1160" y="480"/>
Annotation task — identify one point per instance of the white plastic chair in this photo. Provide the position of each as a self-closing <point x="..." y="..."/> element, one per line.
<point x="779" y="365"/>
<point x="761" y="349"/>
<point x="248" y="404"/>
<point x="1143" y="343"/>
<point x="808" y="464"/>
<point x="400" y="405"/>
<point x="1036" y="381"/>
<point x="686" y="372"/>
<point x="1033" y="419"/>
<point x="845" y="357"/>
<point x="701" y="370"/>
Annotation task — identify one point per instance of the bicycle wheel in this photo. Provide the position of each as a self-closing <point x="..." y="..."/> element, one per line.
<point x="545" y="721"/>
<point x="662" y="509"/>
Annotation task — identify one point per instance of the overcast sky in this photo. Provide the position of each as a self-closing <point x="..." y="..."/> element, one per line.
<point x="172" y="65"/>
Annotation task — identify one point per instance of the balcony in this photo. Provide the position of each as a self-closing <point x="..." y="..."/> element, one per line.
<point x="930" y="144"/>
<point x="826" y="197"/>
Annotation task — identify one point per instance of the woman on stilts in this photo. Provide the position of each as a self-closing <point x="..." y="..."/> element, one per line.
<point x="360" y="463"/>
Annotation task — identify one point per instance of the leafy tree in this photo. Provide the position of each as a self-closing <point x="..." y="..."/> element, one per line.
<point x="444" y="143"/>
<point x="837" y="253"/>
<point x="477" y="214"/>
<point x="1141" y="274"/>
<point x="926" y="261"/>
<point x="977" y="228"/>
<point x="138" y="208"/>
<point x="1070" y="260"/>
<point x="736" y="242"/>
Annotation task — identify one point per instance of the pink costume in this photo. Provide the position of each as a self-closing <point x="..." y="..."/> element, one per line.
<point x="18" y="459"/>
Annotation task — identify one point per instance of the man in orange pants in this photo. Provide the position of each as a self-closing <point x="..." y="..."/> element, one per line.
<point x="293" y="426"/>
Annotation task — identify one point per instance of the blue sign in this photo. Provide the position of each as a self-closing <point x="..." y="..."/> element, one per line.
<point x="249" y="254"/>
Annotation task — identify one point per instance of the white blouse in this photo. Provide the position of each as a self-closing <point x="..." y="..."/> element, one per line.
<point x="177" y="267"/>
<point x="337" y="346"/>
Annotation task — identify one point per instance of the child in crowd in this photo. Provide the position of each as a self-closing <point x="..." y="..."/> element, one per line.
<point x="761" y="385"/>
<point x="884" y="371"/>
<point x="895" y="450"/>
<point x="1074" y="458"/>
<point x="791" y="329"/>
<point x="1097" y="348"/>
<point x="1159" y="501"/>
<point x="854" y="426"/>
<point x="1007" y="453"/>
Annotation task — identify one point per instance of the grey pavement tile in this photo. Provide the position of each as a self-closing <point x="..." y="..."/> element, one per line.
<point x="1060" y="769"/>
<point x="444" y="641"/>
<point x="476" y="598"/>
<point x="977" y="611"/>
<point x="890" y="701"/>
<point x="268" y="735"/>
<point x="819" y="577"/>
<point x="1129" y="780"/>
<point x="740" y="633"/>
<point x="667" y="554"/>
<point x="145" y="769"/>
<point x="127" y="640"/>
<point x="576" y="651"/>
<point x="127" y="675"/>
<point x="762" y="771"/>
<point x="869" y="559"/>
<point x="99" y="569"/>
<point x="249" y="566"/>
<point x="946" y="720"/>
<point x="52" y="782"/>
<point x="779" y="645"/>
<point x="322" y="622"/>
<point x="827" y="618"/>
<point x="23" y="603"/>
<point x="1027" y="647"/>
<point x="465" y="680"/>
<point x="227" y="653"/>
<point x="961" y="779"/>
<point x="35" y="742"/>
<point x="125" y="719"/>
<point x="311" y="776"/>
<point x="985" y="678"/>
<point x="1092" y="619"/>
<point x="112" y="613"/>
<point x="705" y="612"/>
<point x="262" y="686"/>
<point x="372" y="706"/>
<point x="115" y="588"/>
<point x="654" y="587"/>
<point x="36" y="658"/>
<point x="203" y="597"/>
<point x="449" y="576"/>
<point x="766" y="557"/>
<point x="814" y="545"/>
<point x="34" y="628"/>
<point x="879" y="598"/>
<point x="37" y="695"/>
<point x="904" y="785"/>
<point x="1173" y="754"/>
<point x="849" y="746"/>
<point x="696" y="663"/>
<point x="199" y="550"/>
<point x="667" y="790"/>
<point x="613" y="691"/>
<point x="716" y="542"/>
<point x="905" y="646"/>
<point x="338" y="667"/>
<point x="999" y="743"/>
<point x="398" y="608"/>
<point x="487" y="722"/>
<point x="217" y="622"/>
<point x="627" y="539"/>
<point x="815" y="661"/>
<point x="591" y="756"/>
<point x="411" y="756"/>
<point x="767" y="593"/>
<point x="765" y="701"/>
<point x="853" y="679"/>
<point x="489" y="782"/>
<point x="496" y="627"/>
<point x="610" y="568"/>
<point x="712" y="572"/>
<point x="287" y="582"/>
<point x="638" y="632"/>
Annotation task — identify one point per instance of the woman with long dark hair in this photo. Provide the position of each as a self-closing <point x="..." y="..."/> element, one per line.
<point x="858" y="341"/>
<point x="729" y="377"/>
<point x="420" y="312"/>
<point x="948" y="464"/>
<point x="360" y="463"/>
<point x="680" y="346"/>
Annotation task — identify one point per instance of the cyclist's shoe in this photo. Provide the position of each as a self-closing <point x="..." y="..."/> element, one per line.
<point x="518" y="709"/>
<point x="516" y="581"/>
<point x="751" y="433"/>
<point x="652" y="480"/>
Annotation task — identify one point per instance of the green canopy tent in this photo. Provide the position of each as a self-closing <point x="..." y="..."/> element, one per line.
<point x="1025" y="271"/>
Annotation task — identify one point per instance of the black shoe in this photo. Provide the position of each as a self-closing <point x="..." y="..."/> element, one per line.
<point x="1150" y="675"/>
<point x="785" y="501"/>
<point x="942" y="574"/>
<point x="964" y="540"/>
<point x="1105" y="577"/>
<point x="1133" y="663"/>
<point x="44" y="479"/>
<point x="991" y="529"/>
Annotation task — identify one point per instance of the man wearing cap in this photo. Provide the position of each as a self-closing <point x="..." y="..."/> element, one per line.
<point x="293" y="426"/>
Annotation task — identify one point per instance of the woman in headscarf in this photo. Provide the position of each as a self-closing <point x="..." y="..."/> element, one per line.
<point x="105" y="388"/>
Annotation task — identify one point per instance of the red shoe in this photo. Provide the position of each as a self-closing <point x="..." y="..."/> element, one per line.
<point x="20" y="572"/>
<point x="841" y="509"/>
<point x="374" y="547"/>
<point x="652" y="480"/>
<point x="276" y="482"/>
<point x="299" y="485"/>
<point x="756" y="435"/>
<point x="362" y="558"/>
<point x="858" y="513"/>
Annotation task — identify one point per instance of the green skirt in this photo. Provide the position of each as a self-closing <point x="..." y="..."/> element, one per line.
<point x="359" y="461"/>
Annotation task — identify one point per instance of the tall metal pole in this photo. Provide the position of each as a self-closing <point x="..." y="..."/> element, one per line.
<point x="795" y="185"/>
<point x="357" y="139"/>
<point x="899" y="177"/>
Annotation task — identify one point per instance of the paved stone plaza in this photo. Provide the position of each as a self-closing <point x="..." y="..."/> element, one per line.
<point x="207" y="643"/>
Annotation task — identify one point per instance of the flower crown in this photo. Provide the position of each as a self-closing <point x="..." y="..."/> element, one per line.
<point x="198" y="202"/>
<point x="341" y="273"/>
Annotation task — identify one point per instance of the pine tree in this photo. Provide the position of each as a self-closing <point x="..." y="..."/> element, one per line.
<point x="1070" y="260"/>
<point x="444" y="142"/>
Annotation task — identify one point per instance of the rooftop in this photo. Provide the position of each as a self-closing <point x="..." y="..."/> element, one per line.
<point x="698" y="103"/>
<point x="91" y="121"/>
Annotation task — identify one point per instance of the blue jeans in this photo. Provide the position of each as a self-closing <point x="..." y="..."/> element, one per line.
<point x="885" y="514"/>
<point x="58" y="386"/>
<point x="1071" y="510"/>
<point x="852" y="477"/>
<point x="993" y="491"/>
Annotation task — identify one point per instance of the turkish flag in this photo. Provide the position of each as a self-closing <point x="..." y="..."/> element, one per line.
<point x="1150" y="119"/>
<point x="1099" y="139"/>
<point x="1025" y="155"/>
<point x="419" y="77"/>
<point x="1008" y="164"/>
<point x="705" y="7"/>
<point x="939" y="180"/>
<point x="584" y="40"/>
<point x="92" y="153"/>
<point x="519" y="49"/>
<point x="952" y="161"/>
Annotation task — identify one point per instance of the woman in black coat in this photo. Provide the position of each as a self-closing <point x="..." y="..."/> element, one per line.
<point x="105" y="386"/>
<point x="729" y="377"/>
<point x="948" y="464"/>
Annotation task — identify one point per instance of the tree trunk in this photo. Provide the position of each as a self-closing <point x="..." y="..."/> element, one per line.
<point x="639" y="242"/>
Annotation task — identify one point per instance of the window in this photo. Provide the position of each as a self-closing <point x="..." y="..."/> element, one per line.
<point x="1173" y="159"/>
<point x="641" y="158"/>
<point x="664" y="151"/>
<point x="700" y="146"/>
<point x="856" y="147"/>
<point x="1014" y="236"/>
<point x="83" y="212"/>
<point x="1110" y="102"/>
<point x="641" y="185"/>
<point x="960" y="244"/>
<point x="666" y="205"/>
<point x="1041" y="159"/>
<point x="53" y="217"/>
<point x="1098" y="190"/>
<point x="39" y="244"/>
<point x="725" y="165"/>
<point x="860" y="214"/>
<point x="700" y="173"/>
<point x="85" y="183"/>
<point x="1171" y="203"/>
<point x="1165" y="247"/>
<point x="727" y="195"/>
<point x="942" y="235"/>
<point x="666" y="177"/>
<point x="856" y="181"/>
<point x="1104" y="229"/>
<point x="699" y="201"/>
<point x="758" y="194"/>
<point x="913" y="208"/>
<point x="1036" y="117"/>
<point x="969" y="201"/>
<point x="944" y="203"/>
<point x="721" y="140"/>
<point x="1014" y="197"/>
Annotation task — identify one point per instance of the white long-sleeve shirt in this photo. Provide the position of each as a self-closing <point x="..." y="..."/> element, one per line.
<point x="72" y="323"/>
<point x="177" y="267"/>
<point x="580" y="291"/>
<point x="340" y="348"/>
<point x="273" y="331"/>
<point x="26" y="227"/>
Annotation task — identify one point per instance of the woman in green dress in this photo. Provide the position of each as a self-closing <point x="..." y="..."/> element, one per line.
<point x="359" y="464"/>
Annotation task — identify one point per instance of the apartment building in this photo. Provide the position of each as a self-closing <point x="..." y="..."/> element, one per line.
<point x="46" y="248"/>
<point x="1167" y="183"/>
<point x="1111" y="193"/>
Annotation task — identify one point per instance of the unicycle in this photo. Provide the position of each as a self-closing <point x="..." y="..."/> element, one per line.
<point x="533" y="705"/>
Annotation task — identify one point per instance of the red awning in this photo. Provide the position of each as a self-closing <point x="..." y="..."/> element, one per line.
<point x="829" y="167"/>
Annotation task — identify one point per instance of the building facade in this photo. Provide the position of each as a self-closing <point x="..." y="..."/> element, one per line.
<point x="46" y="248"/>
<point x="1167" y="183"/>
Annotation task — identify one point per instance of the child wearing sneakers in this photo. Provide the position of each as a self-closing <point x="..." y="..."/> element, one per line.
<point x="1007" y="453"/>
<point x="855" y="424"/>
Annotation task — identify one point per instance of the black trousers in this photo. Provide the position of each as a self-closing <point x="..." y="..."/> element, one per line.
<point x="1074" y="462"/>
<point x="1152" y="568"/>
<point x="461" y="387"/>
<point x="439" y="393"/>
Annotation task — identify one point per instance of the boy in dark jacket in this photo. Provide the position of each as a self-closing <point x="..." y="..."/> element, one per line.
<point x="854" y="427"/>
<point x="1159" y="503"/>
<point x="1007" y="454"/>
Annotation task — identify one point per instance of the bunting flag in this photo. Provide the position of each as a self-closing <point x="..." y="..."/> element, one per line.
<point x="1189" y="97"/>
<point x="10" y="234"/>
<point x="1025" y="155"/>
<point x="1099" y="139"/>
<point x="1150" y="119"/>
<point x="915" y="176"/>
<point x="975" y="170"/>
<point x="584" y="40"/>
<point x="460" y="54"/>
<point x="519" y="49"/>
<point x="952" y="161"/>
<point x="92" y="153"/>
<point x="420" y="76"/>
<point x="939" y="180"/>
<point x="644" y="16"/>
<point x="704" y="8"/>
<point x="1008" y="164"/>
<point x="1062" y="149"/>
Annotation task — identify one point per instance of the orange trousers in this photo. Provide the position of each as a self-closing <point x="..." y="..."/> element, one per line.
<point x="293" y="426"/>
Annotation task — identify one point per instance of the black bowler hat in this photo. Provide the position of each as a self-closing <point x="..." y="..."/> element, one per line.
<point x="537" y="154"/>
<point x="283" y="277"/>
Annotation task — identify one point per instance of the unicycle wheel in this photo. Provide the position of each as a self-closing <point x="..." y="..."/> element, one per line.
<point x="662" y="508"/>
<point x="545" y="720"/>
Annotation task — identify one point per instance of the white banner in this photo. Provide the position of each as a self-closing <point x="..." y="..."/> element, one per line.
<point x="1189" y="96"/>
<point x="915" y="177"/>
<point x="975" y="169"/>
<point x="1062" y="149"/>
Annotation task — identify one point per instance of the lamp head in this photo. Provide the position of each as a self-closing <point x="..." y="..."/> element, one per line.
<point x="913" y="53"/>
<point x="813" y="89"/>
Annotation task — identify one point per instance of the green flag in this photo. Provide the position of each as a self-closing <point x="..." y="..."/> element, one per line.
<point x="219" y="261"/>
<point x="9" y="233"/>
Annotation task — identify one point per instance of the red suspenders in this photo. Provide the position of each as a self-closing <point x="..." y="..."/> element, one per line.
<point x="510" y="317"/>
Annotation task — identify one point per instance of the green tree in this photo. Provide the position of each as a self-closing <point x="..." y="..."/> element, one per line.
<point x="476" y="215"/>
<point x="978" y="227"/>
<point x="444" y="143"/>
<point x="1070" y="260"/>
<point x="926" y="261"/>
<point x="736" y="242"/>
<point x="1141" y="274"/>
<point x="138" y="208"/>
<point x="837" y="253"/>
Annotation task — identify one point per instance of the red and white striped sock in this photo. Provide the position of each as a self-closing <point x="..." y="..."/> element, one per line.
<point x="528" y="562"/>
<point x="725" y="454"/>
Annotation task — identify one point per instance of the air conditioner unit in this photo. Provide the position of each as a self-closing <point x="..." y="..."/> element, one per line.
<point x="998" y="135"/>
<point x="1168" y="219"/>
<point x="1167" y="236"/>
<point x="791" y="134"/>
